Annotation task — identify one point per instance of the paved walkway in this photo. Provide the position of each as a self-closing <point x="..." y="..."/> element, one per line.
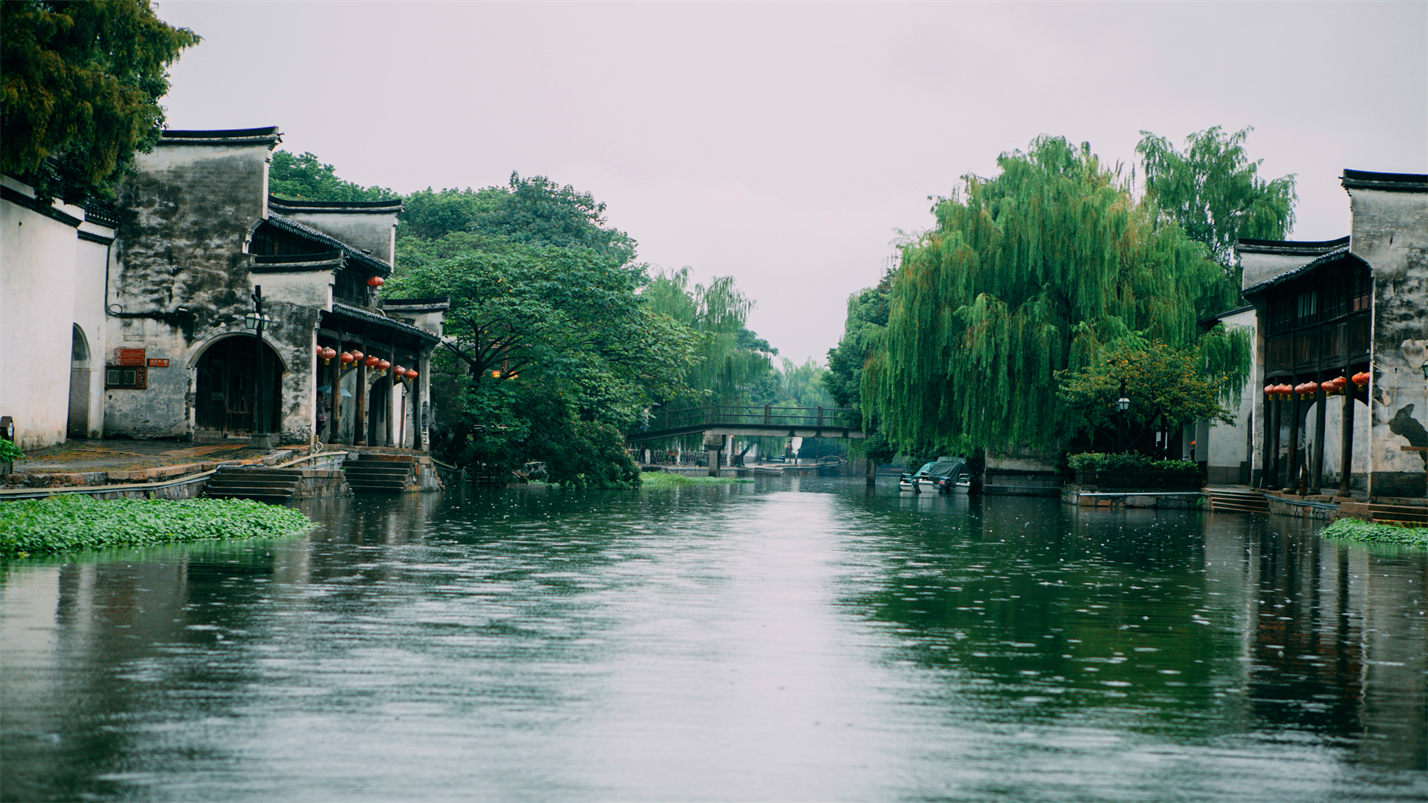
<point x="82" y="462"/>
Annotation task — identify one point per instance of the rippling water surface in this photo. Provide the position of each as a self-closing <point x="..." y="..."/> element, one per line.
<point x="787" y="640"/>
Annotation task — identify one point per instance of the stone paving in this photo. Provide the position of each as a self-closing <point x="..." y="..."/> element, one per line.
<point x="80" y="462"/>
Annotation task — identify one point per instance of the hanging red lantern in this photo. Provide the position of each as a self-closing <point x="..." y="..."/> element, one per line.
<point x="1340" y="382"/>
<point x="327" y="355"/>
<point x="376" y="281"/>
<point x="412" y="374"/>
<point x="357" y="356"/>
<point x="399" y="371"/>
<point x="370" y="362"/>
<point x="1361" y="379"/>
<point x="1285" y="390"/>
<point x="383" y="365"/>
<point x="1269" y="390"/>
<point x="346" y="359"/>
<point x="1328" y="387"/>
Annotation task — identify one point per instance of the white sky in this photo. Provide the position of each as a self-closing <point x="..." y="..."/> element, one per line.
<point x="787" y="144"/>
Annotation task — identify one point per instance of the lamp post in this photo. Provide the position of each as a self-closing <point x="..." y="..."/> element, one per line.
<point x="257" y="321"/>
<point x="1122" y="407"/>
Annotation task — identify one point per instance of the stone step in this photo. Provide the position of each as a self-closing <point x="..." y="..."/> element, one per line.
<point x="395" y="469"/>
<point x="257" y="496"/>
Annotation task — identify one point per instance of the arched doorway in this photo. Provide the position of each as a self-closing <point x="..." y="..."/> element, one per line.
<point x="225" y="386"/>
<point x="79" y="378"/>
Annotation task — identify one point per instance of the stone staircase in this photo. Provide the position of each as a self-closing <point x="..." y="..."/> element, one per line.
<point x="1235" y="500"/>
<point x="381" y="473"/>
<point x="1415" y="515"/>
<point x="272" y="485"/>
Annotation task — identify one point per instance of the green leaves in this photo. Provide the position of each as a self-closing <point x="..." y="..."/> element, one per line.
<point x="80" y="84"/>
<point x="305" y="178"/>
<point x="73" y="521"/>
<point x="1215" y="192"/>
<point x="1166" y="386"/>
<point x="1028" y="274"/>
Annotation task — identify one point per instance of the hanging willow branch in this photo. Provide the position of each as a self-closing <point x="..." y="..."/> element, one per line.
<point x="1035" y="271"/>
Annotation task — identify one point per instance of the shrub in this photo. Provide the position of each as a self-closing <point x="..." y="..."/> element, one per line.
<point x="1355" y="530"/>
<point x="1097" y="461"/>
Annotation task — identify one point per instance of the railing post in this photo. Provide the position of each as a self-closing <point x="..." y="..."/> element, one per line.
<point x="768" y="417"/>
<point x="820" y="416"/>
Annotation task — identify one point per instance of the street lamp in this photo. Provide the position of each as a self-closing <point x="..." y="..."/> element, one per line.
<point x="257" y="321"/>
<point x="1122" y="407"/>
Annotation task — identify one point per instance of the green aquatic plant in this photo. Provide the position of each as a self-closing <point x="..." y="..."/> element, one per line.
<point x="667" y="479"/>
<point x="1370" y="532"/>
<point x="68" y="522"/>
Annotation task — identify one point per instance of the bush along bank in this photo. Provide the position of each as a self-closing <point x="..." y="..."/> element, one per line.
<point x="68" y="522"/>
<point x="1355" y="530"/>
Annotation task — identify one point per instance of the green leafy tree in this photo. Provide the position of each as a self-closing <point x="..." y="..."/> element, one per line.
<point x="1036" y="271"/>
<point x="80" y="84"/>
<point x="1168" y="388"/>
<point x="306" y="178"/>
<point x="1215" y="192"/>
<point x="862" y="334"/>
<point x="732" y="364"/>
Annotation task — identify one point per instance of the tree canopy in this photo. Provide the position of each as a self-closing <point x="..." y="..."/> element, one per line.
<point x="80" y="84"/>
<point x="306" y="178"/>
<point x="1215" y="192"/>
<point x="1035" y="271"/>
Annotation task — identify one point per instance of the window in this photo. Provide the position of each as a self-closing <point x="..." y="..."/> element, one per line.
<point x="126" y="377"/>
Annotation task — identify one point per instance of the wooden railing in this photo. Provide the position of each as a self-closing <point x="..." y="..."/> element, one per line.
<point x="770" y="417"/>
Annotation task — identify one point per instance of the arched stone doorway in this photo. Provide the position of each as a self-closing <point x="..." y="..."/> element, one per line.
<point x="224" y="387"/>
<point x="79" y="385"/>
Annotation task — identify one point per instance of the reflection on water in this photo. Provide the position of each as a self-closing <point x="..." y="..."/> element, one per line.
<point x="789" y="640"/>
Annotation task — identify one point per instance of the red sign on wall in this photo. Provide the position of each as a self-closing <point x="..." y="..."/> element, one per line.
<point x="158" y="362"/>
<point x="128" y="356"/>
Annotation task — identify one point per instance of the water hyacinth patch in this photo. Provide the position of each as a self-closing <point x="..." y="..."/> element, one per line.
<point x="1355" y="530"/>
<point x="73" y="522"/>
<point x="669" y="479"/>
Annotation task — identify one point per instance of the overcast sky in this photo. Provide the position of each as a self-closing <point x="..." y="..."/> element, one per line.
<point x="789" y="144"/>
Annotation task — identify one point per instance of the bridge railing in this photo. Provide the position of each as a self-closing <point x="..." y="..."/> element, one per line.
<point x="734" y="415"/>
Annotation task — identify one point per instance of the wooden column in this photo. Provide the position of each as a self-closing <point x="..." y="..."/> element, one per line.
<point x="1346" y="438"/>
<point x="334" y="417"/>
<point x="872" y="479"/>
<point x="1321" y="401"/>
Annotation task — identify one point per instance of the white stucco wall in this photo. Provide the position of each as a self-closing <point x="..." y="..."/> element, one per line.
<point x="1227" y="446"/>
<point x="43" y="262"/>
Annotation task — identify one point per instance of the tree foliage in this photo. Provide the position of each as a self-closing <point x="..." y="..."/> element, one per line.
<point x="1167" y="388"/>
<point x="1036" y="271"/>
<point x="1215" y="192"/>
<point x="306" y="178"/>
<point x="80" y="84"/>
<point x="732" y="365"/>
<point x="863" y="330"/>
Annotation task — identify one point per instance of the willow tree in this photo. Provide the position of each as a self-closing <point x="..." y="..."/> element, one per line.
<point x="731" y="364"/>
<point x="1036" y="271"/>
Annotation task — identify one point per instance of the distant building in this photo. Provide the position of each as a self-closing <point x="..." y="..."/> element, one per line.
<point x="1341" y="308"/>
<point x="160" y="298"/>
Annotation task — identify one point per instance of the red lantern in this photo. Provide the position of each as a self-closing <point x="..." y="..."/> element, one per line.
<point x="328" y="354"/>
<point x="370" y="362"/>
<point x="346" y="359"/>
<point x="357" y="355"/>
<point x="1361" y="379"/>
<point x="383" y="365"/>
<point x="412" y="374"/>
<point x="376" y="281"/>
<point x="1340" y="382"/>
<point x="1285" y="390"/>
<point x="1269" y="390"/>
<point x="1328" y="387"/>
<point x="399" y="371"/>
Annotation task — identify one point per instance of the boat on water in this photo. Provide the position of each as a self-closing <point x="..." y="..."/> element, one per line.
<point x="943" y="475"/>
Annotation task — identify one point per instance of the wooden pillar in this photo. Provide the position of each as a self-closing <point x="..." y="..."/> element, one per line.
<point x="1346" y="438"/>
<point x="1291" y="478"/>
<point x="334" y="417"/>
<point x="1321" y="401"/>
<point x="872" y="478"/>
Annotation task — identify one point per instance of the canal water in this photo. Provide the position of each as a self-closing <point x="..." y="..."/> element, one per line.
<point x="792" y="639"/>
